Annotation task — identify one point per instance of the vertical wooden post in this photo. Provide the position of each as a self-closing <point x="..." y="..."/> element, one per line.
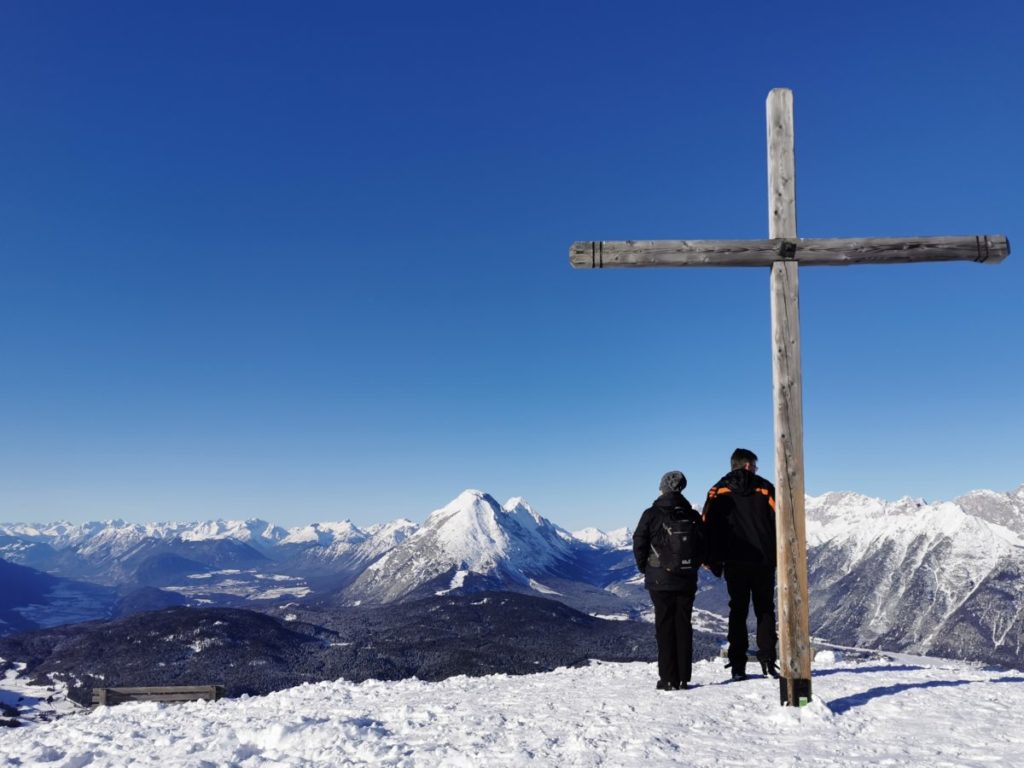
<point x="794" y="633"/>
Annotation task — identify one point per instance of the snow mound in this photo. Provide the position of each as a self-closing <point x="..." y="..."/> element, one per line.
<point x="865" y="713"/>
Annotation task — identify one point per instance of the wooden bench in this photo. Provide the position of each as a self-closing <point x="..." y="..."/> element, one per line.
<point x="108" y="697"/>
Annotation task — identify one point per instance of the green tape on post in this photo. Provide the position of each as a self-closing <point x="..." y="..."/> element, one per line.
<point x="801" y="692"/>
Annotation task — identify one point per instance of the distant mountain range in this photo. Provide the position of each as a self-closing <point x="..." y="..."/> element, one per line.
<point x="940" y="578"/>
<point x="472" y="544"/>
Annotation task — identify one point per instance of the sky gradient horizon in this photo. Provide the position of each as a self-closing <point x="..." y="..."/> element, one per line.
<point x="310" y="263"/>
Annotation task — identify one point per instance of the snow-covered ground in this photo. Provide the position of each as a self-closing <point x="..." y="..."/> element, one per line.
<point x="892" y="712"/>
<point x="39" y="703"/>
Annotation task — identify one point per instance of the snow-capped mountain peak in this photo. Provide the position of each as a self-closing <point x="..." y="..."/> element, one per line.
<point x="471" y="536"/>
<point x="620" y="538"/>
<point x="1005" y="509"/>
<point x="253" y="531"/>
<point x="468" y="530"/>
<point x="517" y="506"/>
<point x="324" y="534"/>
<point x="399" y="529"/>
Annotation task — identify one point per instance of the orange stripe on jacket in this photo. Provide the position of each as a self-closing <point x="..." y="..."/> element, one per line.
<point x="711" y="494"/>
<point x="771" y="501"/>
<point x="716" y="491"/>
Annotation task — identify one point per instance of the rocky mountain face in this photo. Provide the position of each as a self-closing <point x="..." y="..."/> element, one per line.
<point x="1003" y="509"/>
<point x="940" y="579"/>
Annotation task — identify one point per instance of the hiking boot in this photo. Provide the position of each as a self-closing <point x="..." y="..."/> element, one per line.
<point x="739" y="669"/>
<point x="664" y="685"/>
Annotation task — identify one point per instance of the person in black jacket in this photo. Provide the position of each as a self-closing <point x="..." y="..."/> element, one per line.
<point x="671" y="578"/>
<point x="739" y="524"/>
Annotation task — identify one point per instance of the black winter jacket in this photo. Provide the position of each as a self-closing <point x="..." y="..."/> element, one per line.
<point x="668" y="506"/>
<point x="739" y="519"/>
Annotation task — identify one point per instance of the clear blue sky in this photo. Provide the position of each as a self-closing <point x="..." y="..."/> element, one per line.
<point x="309" y="261"/>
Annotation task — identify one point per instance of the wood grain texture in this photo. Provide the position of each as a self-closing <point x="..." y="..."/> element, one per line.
<point x="781" y="164"/>
<point x="791" y="541"/>
<point x="824" y="252"/>
<point x="787" y="388"/>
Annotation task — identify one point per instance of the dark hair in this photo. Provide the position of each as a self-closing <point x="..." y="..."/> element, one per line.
<point x="742" y="456"/>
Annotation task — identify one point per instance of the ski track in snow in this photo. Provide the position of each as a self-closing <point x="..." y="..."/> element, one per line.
<point x="878" y="713"/>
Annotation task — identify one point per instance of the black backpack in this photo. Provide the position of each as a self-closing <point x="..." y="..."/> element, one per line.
<point x="674" y="545"/>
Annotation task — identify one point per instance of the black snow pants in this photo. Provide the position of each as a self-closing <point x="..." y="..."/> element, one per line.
<point x="746" y="582"/>
<point x="672" y="628"/>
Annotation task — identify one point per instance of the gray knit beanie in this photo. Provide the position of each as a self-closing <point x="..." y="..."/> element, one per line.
<point x="673" y="481"/>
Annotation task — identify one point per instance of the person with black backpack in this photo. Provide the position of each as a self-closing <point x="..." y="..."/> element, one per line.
<point x="668" y="547"/>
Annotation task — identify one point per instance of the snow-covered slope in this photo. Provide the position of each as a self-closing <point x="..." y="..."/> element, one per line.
<point x="1005" y="509"/>
<point x="924" y="577"/>
<point x="471" y="543"/>
<point x="896" y="712"/>
<point x="620" y="538"/>
<point x="340" y="547"/>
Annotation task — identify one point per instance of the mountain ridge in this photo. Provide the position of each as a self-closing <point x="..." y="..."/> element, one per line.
<point x="901" y="575"/>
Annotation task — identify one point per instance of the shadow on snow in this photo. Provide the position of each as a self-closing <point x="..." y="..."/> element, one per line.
<point x="846" y="703"/>
<point x="861" y="670"/>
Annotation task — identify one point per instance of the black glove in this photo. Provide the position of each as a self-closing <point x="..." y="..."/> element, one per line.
<point x="769" y="668"/>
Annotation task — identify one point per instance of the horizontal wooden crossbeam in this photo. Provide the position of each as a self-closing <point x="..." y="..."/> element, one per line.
<point x="833" y="252"/>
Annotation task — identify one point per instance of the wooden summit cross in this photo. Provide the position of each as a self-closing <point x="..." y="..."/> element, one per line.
<point x="783" y="252"/>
